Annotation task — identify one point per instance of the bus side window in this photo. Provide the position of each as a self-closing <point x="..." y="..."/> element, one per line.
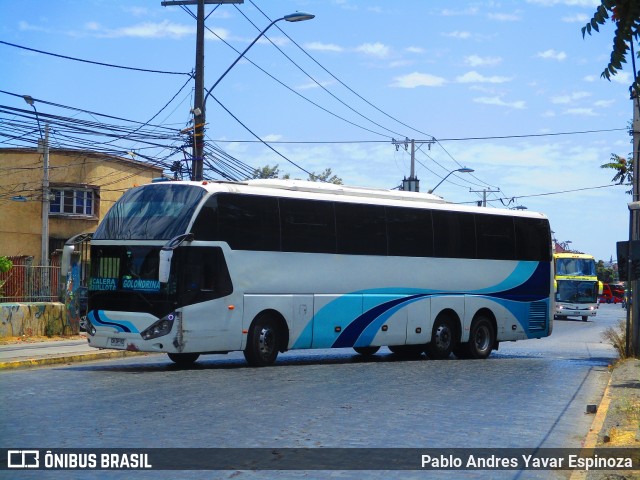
<point x="205" y="272"/>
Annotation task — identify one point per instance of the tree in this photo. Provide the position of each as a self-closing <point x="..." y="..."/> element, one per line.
<point x="605" y="274"/>
<point x="268" y="171"/>
<point x="626" y="15"/>
<point x="326" y="176"/>
<point x="623" y="167"/>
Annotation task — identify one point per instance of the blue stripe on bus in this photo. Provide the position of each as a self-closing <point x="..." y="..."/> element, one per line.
<point x="349" y="335"/>
<point x="513" y="293"/>
<point x="99" y="318"/>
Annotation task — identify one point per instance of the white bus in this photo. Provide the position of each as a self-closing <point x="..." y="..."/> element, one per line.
<point x="266" y="266"/>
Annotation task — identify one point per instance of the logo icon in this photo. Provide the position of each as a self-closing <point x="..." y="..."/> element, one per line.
<point x="23" y="459"/>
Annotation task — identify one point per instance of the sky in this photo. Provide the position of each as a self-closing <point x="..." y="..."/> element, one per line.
<point x="509" y="89"/>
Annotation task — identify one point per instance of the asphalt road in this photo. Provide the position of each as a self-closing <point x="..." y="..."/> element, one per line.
<point x="529" y="394"/>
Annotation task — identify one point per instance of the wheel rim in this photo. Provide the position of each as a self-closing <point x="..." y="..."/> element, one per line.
<point x="482" y="338"/>
<point x="443" y="337"/>
<point x="266" y="342"/>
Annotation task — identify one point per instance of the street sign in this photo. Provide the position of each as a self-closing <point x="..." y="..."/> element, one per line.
<point x="623" y="260"/>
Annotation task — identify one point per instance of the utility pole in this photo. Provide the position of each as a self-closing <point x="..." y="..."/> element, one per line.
<point x="484" y="192"/>
<point x="44" y="251"/>
<point x="197" y="161"/>
<point x="634" y="342"/>
<point x="411" y="184"/>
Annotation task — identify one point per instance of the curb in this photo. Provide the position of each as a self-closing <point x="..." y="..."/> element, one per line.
<point x="596" y="427"/>
<point x="54" y="360"/>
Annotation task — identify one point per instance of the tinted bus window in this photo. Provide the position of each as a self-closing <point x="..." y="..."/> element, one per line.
<point x="307" y="226"/>
<point x="410" y="232"/>
<point x="496" y="238"/>
<point x="206" y="225"/>
<point x="454" y="234"/>
<point x="533" y="239"/>
<point x="249" y="222"/>
<point x="361" y="229"/>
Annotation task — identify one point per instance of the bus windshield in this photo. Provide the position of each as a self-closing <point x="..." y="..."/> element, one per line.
<point x="576" y="266"/>
<point x="152" y="212"/>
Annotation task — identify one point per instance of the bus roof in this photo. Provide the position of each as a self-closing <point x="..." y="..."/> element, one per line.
<point x="329" y="191"/>
<point x="573" y="255"/>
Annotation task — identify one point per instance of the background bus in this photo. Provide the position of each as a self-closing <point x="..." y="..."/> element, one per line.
<point x="577" y="286"/>
<point x="188" y="268"/>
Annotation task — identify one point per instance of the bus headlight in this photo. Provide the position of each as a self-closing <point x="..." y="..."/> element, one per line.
<point x="160" y="328"/>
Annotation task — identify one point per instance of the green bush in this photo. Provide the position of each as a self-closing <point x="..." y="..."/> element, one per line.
<point x="5" y="264"/>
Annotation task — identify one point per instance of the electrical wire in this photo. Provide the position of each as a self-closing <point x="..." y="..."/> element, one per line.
<point x="91" y="61"/>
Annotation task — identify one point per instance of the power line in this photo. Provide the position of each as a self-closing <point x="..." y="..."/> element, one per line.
<point x="453" y="139"/>
<point x="93" y="62"/>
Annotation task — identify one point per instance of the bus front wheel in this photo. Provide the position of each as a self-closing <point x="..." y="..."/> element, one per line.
<point x="183" y="359"/>
<point x="263" y="342"/>
<point x="443" y="338"/>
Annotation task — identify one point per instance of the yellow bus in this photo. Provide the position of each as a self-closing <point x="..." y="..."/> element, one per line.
<point x="576" y="285"/>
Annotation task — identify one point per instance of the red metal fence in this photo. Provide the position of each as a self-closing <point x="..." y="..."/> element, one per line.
<point x="26" y="282"/>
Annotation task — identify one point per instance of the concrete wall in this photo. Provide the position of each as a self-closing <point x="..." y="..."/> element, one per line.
<point x="29" y="319"/>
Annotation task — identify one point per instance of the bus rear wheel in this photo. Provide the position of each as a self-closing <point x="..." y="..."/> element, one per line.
<point x="366" y="351"/>
<point x="183" y="359"/>
<point x="443" y="338"/>
<point x="585" y="318"/>
<point x="481" y="338"/>
<point x="263" y="342"/>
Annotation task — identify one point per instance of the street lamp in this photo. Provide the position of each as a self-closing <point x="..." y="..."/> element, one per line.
<point x="199" y="110"/>
<point x="459" y="170"/>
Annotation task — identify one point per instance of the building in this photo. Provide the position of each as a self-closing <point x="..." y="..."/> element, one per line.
<point x="82" y="187"/>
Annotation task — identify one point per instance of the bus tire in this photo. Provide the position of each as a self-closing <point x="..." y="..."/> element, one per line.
<point x="585" y="318"/>
<point x="482" y="338"/>
<point x="443" y="338"/>
<point x="263" y="342"/>
<point x="183" y="359"/>
<point x="407" y="351"/>
<point x="366" y="351"/>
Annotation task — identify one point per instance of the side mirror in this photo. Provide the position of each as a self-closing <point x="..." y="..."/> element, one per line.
<point x="164" y="270"/>
<point x="65" y="261"/>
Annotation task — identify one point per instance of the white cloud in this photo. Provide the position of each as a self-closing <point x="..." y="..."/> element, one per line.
<point x="622" y="77"/>
<point x="452" y="13"/>
<point x="520" y="104"/>
<point x="475" y="77"/>
<point x="504" y="17"/>
<point x="590" y="78"/>
<point x="604" y="103"/>
<point x="310" y="85"/>
<point x="552" y="54"/>
<point x="415" y="49"/>
<point x="416" y="79"/>
<point x="577" y="18"/>
<point x="572" y="3"/>
<point x="272" y="137"/>
<point x="580" y="111"/>
<point x="323" y="47"/>
<point x="478" y="61"/>
<point x="571" y="97"/>
<point x="152" y="30"/>
<point x="374" y="49"/>
<point x="458" y="34"/>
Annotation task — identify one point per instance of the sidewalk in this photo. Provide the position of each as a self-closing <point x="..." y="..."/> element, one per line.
<point x="20" y="355"/>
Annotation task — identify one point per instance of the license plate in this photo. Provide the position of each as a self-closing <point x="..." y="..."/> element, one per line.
<point x="116" y="342"/>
